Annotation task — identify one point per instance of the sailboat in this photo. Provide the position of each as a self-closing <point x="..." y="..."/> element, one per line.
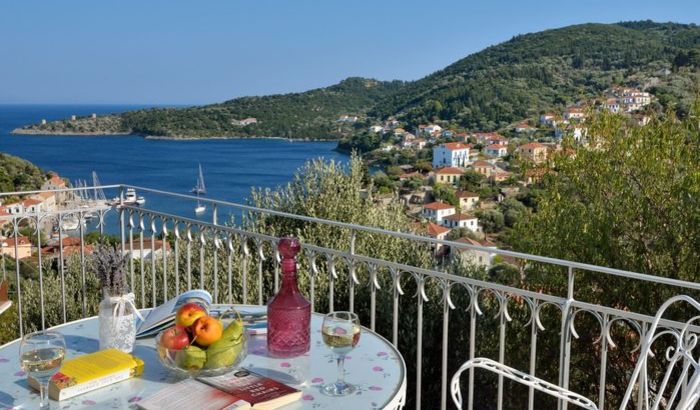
<point x="200" y="189"/>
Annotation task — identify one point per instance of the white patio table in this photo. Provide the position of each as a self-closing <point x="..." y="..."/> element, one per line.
<point x="375" y="366"/>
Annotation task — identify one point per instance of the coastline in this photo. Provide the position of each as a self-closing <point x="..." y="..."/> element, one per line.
<point x="22" y="131"/>
<point x="43" y="133"/>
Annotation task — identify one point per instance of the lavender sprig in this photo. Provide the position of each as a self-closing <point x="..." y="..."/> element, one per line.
<point x="110" y="265"/>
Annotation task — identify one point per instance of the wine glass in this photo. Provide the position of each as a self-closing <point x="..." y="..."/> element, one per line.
<point x="341" y="333"/>
<point x="41" y="355"/>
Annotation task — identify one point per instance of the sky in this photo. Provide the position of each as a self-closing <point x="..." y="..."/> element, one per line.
<point x="196" y="52"/>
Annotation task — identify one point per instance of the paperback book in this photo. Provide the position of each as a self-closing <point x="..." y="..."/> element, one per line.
<point x="239" y="390"/>
<point x="91" y="371"/>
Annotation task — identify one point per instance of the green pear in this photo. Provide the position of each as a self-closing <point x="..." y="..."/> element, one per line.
<point x="191" y="358"/>
<point x="224" y="351"/>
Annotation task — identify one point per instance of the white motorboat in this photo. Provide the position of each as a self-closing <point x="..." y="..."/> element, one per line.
<point x="200" y="208"/>
<point x="70" y="223"/>
<point x="130" y="198"/>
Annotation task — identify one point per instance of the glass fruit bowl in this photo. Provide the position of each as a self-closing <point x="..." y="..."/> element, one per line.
<point x="179" y="350"/>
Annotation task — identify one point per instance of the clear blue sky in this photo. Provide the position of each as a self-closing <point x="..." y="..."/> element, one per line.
<point x="193" y="52"/>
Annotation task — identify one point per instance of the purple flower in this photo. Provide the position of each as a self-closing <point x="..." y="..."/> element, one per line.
<point x="285" y="364"/>
<point x="377" y="368"/>
<point x="317" y="380"/>
<point x="375" y="388"/>
<point x="307" y="397"/>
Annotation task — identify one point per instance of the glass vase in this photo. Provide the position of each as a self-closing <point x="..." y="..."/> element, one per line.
<point x="288" y="312"/>
<point x="117" y="322"/>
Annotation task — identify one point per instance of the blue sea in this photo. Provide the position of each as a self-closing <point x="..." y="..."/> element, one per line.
<point x="231" y="167"/>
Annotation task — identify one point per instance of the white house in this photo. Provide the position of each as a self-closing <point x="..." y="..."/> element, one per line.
<point x="14" y="209"/>
<point x="467" y="200"/>
<point x="548" y="118"/>
<point x="376" y="129"/>
<point x="612" y="105"/>
<point x="417" y="143"/>
<point x="451" y="154"/>
<point x="31" y="206"/>
<point x="574" y="113"/>
<point x="437" y="211"/>
<point x="496" y="151"/>
<point x="576" y="131"/>
<point x="523" y="127"/>
<point x="470" y="256"/>
<point x="460" y="220"/>
<point x="248" y="121"/>
<point x="348" y="118"/>
<point x="429" y="129"/>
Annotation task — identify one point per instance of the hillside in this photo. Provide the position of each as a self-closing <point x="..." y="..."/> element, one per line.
<point x="17" y="174"/>
<point x="311" y="114"/>
<point x="535" y="72"/>
<point x="484" y="91"/>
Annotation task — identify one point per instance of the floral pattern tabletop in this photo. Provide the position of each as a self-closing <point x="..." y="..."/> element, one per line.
<point x="375" y="366"/>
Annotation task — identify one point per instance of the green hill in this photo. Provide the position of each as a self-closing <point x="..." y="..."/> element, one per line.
<point x="484" y="91"/>
<point x="540" y="71"/>
<point x="311" y="114"/>
<point x="17" y="174"/>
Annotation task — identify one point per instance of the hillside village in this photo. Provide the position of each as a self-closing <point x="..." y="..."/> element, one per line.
<point x="471" y="186"/>
<point x="53" y="242"/>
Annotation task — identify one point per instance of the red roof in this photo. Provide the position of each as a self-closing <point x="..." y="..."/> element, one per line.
<point x="21" y="240"/>
<point x="30" y="202"/>
<point x="437" y="206"/>
<point x="532" y="145"/>
<point x="496" y="146"/>
<point x="456" y="145"/>
<point x="470" y="241"/>
<point x="56" y="180"/>
<point x="480" y="164"/>
<point x="435" y="230"/>
<point x="449" y="171"/>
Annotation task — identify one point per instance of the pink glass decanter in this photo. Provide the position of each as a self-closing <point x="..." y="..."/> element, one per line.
<point x="288" y="312"/>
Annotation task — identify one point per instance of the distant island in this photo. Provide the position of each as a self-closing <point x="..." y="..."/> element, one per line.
<point x="487" y="91"/>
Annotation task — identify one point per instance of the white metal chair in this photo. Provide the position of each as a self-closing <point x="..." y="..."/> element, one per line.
<point x="683" y="388"/>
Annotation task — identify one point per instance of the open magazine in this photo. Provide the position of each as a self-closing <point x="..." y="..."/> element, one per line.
<point x="163" y="316"/>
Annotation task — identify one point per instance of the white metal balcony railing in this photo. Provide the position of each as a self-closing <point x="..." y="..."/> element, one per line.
<point x="238" y="264"/>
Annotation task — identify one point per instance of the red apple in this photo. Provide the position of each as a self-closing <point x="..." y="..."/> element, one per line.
<point x="188" y="313"/>
<point x="175" y="338"/>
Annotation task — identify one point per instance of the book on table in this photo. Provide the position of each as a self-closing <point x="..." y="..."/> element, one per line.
<point x="239" y="390"/>
<point x="163" y="316"/>
<point x="91" y="371"/>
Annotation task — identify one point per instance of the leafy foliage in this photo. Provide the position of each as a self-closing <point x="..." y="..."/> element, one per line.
<point x="17" y="174"/>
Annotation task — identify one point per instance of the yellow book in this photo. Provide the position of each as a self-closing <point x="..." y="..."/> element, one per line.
<point x="92" y="371"/>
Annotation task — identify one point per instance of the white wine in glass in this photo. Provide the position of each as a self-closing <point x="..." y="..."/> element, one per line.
<point x="41" y="355"/>
<point x="341" y="333"/>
